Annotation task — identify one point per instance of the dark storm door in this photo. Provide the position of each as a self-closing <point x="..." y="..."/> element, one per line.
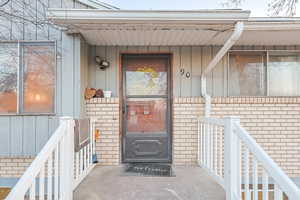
<point x="146" y="108"/>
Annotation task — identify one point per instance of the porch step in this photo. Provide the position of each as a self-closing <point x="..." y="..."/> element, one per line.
<point x="108" y="183"/>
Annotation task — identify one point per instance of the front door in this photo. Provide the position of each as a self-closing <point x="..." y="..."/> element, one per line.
<point x="146" y="108"/>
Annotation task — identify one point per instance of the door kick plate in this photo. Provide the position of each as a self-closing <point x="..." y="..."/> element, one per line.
<point x="137" y="148"/>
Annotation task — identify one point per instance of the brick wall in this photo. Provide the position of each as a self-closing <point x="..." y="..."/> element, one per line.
<point x="273" y="121"/>
<point x="106" y="111"/>
<point x="13" y="167"/>
<point x="185" y="145"/>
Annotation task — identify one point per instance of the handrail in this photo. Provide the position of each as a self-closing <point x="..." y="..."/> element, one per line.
<point x="57" y="169"/>
<point x="27" y="179"/>
<point x="215" y="121"/>
<point x="285" y="183"/>
<point x="220" y="153"/>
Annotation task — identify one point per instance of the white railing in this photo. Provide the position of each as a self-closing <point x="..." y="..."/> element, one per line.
<point x="239" y="164"/>
<point x="57" y="169"/>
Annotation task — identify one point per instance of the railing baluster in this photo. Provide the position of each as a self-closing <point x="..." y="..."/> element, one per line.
<point x="207" y="146"/>
<point x="255" y="180"/>
<point x="42" y="183"/>
<point x="216" y="149"/>
<point x="221" y="152"/>
<point x="92" y="130"/>
<point x="81" y="162"/>
<point x="221" y="141"/>
<point x="93" y="137"/>
<point x="204" y="144"/>
<point x="32" y="191"/>
<point x="246" y="175"/>
<point x="239" y="168"/>
<point x="85" y="158"/>
<point x="198" y="141"/>
<point x="77" y="164"/>
<point x="56" y="173"/>
<point x="49" y="178"/>
<point x="211" y="135"/>
<point x="265" y="187"/>
<point x="62" y="167"/>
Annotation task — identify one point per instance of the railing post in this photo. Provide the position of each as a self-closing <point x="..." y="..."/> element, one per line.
<point x="67" y="178"/>
<point x="232" y="162"/>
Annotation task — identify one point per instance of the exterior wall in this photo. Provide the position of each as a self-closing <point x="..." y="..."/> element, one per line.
<point x="192" y="59"/>
<point x="186" y="110"/>
<point x="274" y="122"/>
<point x="106" y="111"/>
<point x="25" y="135"/>
<point x="14" y="167"/>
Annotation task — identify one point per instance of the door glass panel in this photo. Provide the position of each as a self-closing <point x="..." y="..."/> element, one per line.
<point x="146" y="76"/>
<point x="146" y="115"/>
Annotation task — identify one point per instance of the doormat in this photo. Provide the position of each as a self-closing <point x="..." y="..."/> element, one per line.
<point x="149" y="169"/>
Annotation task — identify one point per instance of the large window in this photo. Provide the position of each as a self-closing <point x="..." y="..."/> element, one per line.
<point x="272" y="73"/>
<point x="27" y="77"/>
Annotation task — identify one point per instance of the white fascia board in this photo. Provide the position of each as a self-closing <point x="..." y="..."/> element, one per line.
<point x="272" y="26"/>
<point x="272" y="23"/>
<point x="78" y="16"/>
<point x="274" y="19"/>
<point x="97" y="4"/>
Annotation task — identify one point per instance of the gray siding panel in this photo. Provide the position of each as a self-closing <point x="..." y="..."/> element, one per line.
<point x="26" y="135"/>
<point x="196" y="71"/>
<point x="176" y="70"/>
<point x="185" y="83"/>
<point x="67" y="81"/>
<point x="30" y="135"/>
<point x="16" y="136"/>
<point x="101" y="75"/>
<point x="4" y="136"/>
<point x="53" y="124"/>
<point x="41" y="136"/>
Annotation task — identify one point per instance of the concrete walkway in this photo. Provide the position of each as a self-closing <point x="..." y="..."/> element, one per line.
<point x="108" y="183"/>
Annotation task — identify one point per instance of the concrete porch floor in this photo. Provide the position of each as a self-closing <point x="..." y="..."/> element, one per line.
<point x="108" y="183"/>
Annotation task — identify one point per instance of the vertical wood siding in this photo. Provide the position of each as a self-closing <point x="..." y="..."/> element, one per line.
<point x="26" y="135"/>
<point x="192" y="59"/>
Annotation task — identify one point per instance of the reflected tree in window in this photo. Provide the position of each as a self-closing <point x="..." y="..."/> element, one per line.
<point x="8" y="78"/>
<point x="39" y="78"/>
<point x="246" y="75"/>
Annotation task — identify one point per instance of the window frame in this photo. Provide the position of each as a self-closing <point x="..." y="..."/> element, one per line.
<point x="267" y="53"/>
<point x="20" y="77"/>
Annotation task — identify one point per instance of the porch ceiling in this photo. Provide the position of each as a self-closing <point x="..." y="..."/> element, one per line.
<point x="170" y="28"/>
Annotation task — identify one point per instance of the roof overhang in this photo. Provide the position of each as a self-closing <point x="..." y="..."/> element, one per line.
<point x="79" y="16"/>
<point x="170" y="28"/>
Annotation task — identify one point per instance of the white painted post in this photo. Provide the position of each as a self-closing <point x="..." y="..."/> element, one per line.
<point x="68" y="170"/>
<point x="231" y="160"/>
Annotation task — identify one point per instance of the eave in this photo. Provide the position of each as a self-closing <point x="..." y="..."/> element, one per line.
<point x="78" y="16"/>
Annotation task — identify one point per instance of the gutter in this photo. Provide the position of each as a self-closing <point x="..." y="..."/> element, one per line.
<point x="238" y="30"/>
